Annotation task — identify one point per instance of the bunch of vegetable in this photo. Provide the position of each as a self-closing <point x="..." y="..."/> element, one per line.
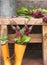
<point x="23" y="11"/>
<point x="22" y="34"/>
<point x="35" y="12"/>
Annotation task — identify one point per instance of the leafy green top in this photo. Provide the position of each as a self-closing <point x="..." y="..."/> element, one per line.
<point x="26" y="12"/>
<point x="4" y="38"/>
<point x="22" y="38"/>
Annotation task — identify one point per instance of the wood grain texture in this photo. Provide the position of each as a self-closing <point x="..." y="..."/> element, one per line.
<point x="44" y="30"/>
<point x="0" y="48"/>
<point x="3" y="30"/>
<point x="21" y="21"/>
<point x="35" y="38"/>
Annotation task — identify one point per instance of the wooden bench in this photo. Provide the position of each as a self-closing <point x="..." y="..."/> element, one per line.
<point x="35" y="38"/>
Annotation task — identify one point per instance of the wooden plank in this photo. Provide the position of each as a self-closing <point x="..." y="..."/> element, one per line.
<point x="0" y="48"/>
<point x="44" y="31"/>
<point x="21" y="21"/>
<point x="35" y="38"/>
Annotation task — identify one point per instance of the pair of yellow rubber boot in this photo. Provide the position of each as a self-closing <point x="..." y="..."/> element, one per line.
<point x="18" y="52"/>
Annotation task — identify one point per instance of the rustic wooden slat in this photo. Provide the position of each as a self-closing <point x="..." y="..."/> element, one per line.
<point x="4" y="30"/>
<point x="0" y="48"/>
<point x="35" y="38"/>
<point x="44" y="31"/>
<point x="21" y="21"/>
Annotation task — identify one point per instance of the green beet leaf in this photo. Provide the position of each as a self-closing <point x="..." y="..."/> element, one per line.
<point x="25" y="39"/>
<point x="18" y="40"/>
<point x="43" y="10"/>
<point x="26" y="16"/>
<point x="22" y="31"/>
<point x="22" y="10"/>
<point x="4" y="38"/>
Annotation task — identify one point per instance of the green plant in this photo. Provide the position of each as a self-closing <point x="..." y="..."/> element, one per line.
<point x="43" y="10"/>
<point x="22" y="11"/>
<point x="4" y="39"/>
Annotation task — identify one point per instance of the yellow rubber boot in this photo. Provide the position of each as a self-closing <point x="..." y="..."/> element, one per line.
<point x="19" y="53"/>
<point x="5" y="54"/>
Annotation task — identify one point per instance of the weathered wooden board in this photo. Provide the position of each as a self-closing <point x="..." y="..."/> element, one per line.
<point x="21" y="21"/>
<point x="35" y="38"/>
<point x="44" y="31"/>
<point x="0" y="48"/>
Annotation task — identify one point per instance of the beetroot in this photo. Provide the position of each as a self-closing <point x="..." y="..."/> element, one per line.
<point x="17" y="32"/>
<point x="27" y="31"/>
<point x="45" y="18"/>
<point x="37" y="14"/>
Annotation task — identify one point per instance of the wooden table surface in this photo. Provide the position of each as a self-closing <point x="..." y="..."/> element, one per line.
<point x="21" y="21"/>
